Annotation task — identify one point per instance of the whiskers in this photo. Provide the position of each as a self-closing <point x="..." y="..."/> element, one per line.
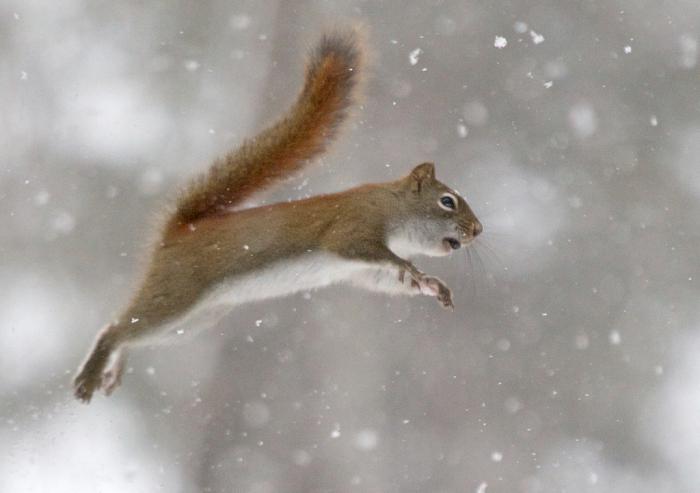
<point x="483" y="264"/>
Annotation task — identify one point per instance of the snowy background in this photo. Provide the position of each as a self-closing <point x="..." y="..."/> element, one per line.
<point x="571" y="361"/>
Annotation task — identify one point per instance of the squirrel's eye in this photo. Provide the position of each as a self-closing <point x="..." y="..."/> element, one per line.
<point x="447" y="202"/>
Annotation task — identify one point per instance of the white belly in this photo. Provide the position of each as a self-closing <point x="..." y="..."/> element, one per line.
<point x="311" y="271"/>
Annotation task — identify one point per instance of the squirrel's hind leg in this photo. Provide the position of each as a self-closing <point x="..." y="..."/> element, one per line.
<point x="89" y="376"/>
<point x="112" y="375"/>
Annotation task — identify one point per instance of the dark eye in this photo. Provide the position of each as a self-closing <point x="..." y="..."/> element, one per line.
<point x="448" y="202"/>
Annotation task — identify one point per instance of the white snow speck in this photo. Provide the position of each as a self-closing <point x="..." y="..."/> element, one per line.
<point x="496" y="456"/>
<point x="482" y="487"/>
<point x="336" y="431"/>
<point x="659" y="370"/>
<point x="628" y="49"/>
<point x="191" y="65"/>
<point x="414" y="56"/>
<point x="462" y="130"/>
<point x="500" y="42"/>
<point x="151" y="371"/>
<point x="180" y="331"/>
<point x="258" y="323"/>
<point x="536" y="38"/>
<point x="134" y="320"/>
<point x="23" y="75"/>
<point x="520" y="27"/>
<point x="615" y="338"/>
<point x="548" y="84"/>
<point x="16" y="16"/>
<point x="653" y="121"/>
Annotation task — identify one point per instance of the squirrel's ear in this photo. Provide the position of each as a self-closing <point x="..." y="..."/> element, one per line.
<point x="423" y="173"/>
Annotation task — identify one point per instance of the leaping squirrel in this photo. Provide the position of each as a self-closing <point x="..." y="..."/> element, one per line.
<point x="210" y="257"/>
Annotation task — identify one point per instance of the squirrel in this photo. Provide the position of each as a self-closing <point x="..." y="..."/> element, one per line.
<point x="211" y="256"/>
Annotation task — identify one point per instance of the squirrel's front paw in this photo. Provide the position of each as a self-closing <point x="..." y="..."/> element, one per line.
<point x="432" y="286"/>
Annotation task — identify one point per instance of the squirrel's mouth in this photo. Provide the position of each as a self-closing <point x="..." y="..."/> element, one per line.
<point x="451" y="243"/>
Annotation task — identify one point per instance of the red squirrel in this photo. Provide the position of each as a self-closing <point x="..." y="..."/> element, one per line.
<point x="211" y="256"/>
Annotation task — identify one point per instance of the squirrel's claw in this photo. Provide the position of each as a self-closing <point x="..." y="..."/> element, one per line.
<point x="445" y="296"/>
<point x="432" y="286"/>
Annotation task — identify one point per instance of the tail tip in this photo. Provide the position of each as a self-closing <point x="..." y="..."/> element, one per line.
<point x="344" y="43"/>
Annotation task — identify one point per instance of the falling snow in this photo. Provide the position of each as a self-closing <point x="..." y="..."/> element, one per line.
<point x="414" y="56"/>
<point x="191" y="65"/>
<point x="536" y="38"/>
<point x="576" y="304"/>
<point x="462" y="130"/>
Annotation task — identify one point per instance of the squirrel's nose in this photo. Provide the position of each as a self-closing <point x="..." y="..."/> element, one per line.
<point x="477" y="228"/>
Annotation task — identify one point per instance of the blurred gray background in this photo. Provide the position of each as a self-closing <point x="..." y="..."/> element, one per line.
<point x="570" y="363"/>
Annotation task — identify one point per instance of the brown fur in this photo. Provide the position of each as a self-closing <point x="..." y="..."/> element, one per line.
<point x="206" y="243"/>
<point x="332" y="77"/>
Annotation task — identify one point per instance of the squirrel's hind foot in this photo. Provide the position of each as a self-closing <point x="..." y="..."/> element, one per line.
<point x="112" y="376"/>
<point x="84" y="385"/>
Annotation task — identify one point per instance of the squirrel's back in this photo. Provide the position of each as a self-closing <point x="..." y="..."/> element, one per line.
<point x="333" y="73"/>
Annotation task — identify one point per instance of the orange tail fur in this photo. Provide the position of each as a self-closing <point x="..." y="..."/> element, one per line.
<point x="332" y="76"/>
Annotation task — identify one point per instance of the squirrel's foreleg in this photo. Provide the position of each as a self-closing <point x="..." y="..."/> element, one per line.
<point x="380" y="254"/>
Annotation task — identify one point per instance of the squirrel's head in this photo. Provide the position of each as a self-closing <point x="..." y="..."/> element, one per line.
<point x="437" y="220"/>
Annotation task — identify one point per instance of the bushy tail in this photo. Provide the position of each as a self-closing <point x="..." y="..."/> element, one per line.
<point x="332" y="76"/>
